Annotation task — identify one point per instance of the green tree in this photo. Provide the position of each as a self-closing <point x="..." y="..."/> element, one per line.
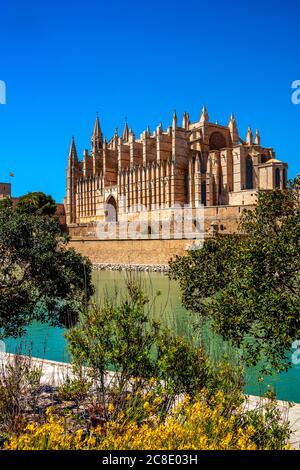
<point x="40" y="278"/>
<point x="247" y="284"/>
<point x="5" y="202"/>
<point x="36" y="203"/>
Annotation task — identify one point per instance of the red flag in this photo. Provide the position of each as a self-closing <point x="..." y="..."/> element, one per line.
<point x="11" y="174"/>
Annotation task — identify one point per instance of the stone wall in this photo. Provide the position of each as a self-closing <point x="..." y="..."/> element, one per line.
<point x="131" y="251"/>
<point x="224" y="219"/>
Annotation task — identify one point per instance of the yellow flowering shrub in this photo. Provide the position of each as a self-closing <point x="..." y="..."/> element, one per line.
<point x="190" y="425"/>
<point x="53" y="435"/>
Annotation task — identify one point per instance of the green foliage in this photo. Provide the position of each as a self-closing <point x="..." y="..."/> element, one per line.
<point x="162" y="394"/>
<point x="115" y="335"/>
<point x="145" y="357"/>
<point x="182" y="365"/>
<point x="19" y="383"/>
<point x="74" y="389"/>
<point x="272" y="427"/>
<point x="5" y="202"/>
<point x="40" y="279"/>
<point x="247" y="284"/>
<point x="36" y="203"/>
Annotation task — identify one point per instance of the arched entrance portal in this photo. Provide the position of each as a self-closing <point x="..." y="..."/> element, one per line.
<point x="111" y="210"/>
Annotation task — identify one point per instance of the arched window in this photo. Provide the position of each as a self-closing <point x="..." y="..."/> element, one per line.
<point x="111" y="210"/>
<point x="217" y="141"/>
<point x="284" y="178"/>
<point x="186" y="186"/>
<point x="203" y="193"/>
<point x="249" y="173"/>
<point x="277" y="178"/>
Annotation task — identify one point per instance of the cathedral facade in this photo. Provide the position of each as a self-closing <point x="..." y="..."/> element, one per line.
<point x="190" y="163"/>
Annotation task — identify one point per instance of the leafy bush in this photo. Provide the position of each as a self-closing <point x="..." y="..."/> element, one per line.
<point x="74" y="389"/>
<point x="142" y="355"/>
<point x="19" y="383"/>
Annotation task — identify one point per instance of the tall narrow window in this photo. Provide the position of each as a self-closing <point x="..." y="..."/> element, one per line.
<point x="249" y="173"/>
<point x="277" y="178"/>
<point x="186" y="187"/>
<point x="284" y="178"/>
<point x="203" y="193"/>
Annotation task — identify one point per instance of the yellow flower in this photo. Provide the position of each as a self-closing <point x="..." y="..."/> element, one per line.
<point x="147" y="406"/>
<point x="157" y="401"/>
<point x="110" y="408"/>
<point x="190" y="425"/>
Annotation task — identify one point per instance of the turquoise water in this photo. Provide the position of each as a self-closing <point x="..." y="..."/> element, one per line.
<point x="49" y="343"/>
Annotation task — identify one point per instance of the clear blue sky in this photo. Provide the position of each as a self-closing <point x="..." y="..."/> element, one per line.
<point x="63" y="61"/>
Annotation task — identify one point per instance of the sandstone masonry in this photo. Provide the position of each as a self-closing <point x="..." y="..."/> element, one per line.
<point x="196" y="164"/>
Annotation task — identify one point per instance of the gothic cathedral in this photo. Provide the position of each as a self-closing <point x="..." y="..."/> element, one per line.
<point x="195" y="163"/>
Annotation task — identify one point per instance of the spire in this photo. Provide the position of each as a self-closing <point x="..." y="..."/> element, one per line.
<point x="115" y="138"/>
<point x="185" y="121"/>
<point x="73" y="152"/>
<point x="146" y="133"/>
<point x="174" y="120"/>
<point x="125" y="134"/>
<point x="232" y="126"/>
<point x="231" y="119"/>
<point x="204" y="115"/>
<point x="249" y="136"/>
<point x="257" y="137"/>
<point x="97" y="129"/>
<point x="97" y="137"/>
<point x="159" y="129"/>
<point x="131" y="135"/>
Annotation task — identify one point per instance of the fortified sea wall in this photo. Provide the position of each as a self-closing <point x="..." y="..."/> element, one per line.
<point x="142" y="253"/>
<point x="114" y="253"/>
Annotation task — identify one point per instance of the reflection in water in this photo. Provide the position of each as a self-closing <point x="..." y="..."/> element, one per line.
<point x="164" y="304"/>
<point x="49" y="342"/>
